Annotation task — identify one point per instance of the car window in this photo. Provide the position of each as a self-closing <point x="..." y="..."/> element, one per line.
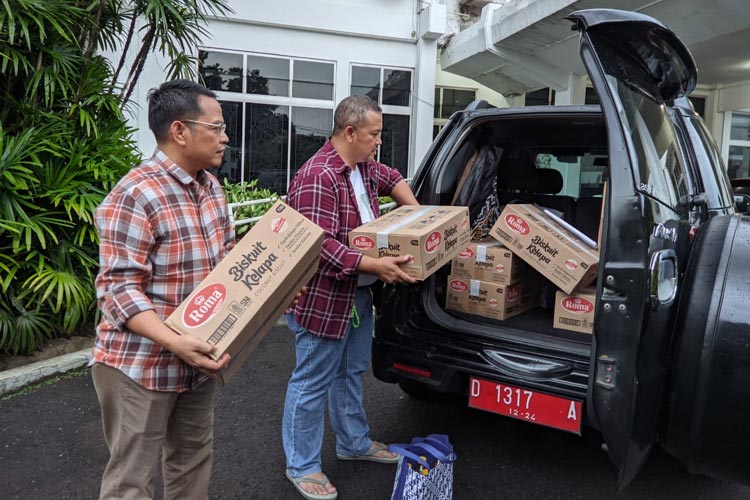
<point x="660" y="168"/>
<point x="582" y="172"/>
<point x="714" y="173"/>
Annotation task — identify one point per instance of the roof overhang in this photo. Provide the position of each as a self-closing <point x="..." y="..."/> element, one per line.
<point x="521" y="46"/>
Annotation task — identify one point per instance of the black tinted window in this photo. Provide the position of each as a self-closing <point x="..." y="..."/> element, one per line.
<point x="661" y="171"/>
<point x="714" y="173"/>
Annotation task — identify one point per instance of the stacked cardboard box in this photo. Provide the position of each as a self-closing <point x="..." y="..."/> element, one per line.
<point x="575" y="311"/>
<point x="433" y="235"/>
<point x="547" y="246"/>
<point x="241" y="299"/>
<point x="488" y="280"/>
<point x="491" y="300"/>
<point x="489" y="260"/>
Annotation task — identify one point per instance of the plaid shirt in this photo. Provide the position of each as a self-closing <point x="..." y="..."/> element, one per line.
<point x="322" y="192"/>
<point x="161" y="232"/>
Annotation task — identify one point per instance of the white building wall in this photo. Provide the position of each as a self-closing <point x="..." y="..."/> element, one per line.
<point x="384" y="33"/>
<point x="369" y="18"/>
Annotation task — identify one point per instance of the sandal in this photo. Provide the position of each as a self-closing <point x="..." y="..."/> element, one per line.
<point x="370" y="455"/>
<point x="324" y="482"/>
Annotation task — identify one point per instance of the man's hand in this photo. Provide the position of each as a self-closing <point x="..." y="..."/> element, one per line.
<point x="296" y="298"/>
<point x="388" y="269"/>
<point x="191" y="350"/>
<point x="195" y="352"/>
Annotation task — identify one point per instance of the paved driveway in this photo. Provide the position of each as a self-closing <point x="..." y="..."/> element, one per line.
<point x="51" y="446"/>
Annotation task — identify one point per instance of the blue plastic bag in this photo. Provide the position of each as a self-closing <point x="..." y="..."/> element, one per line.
<point x="425" y="471"/>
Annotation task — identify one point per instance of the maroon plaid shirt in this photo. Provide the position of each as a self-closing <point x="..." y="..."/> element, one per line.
<point x="322" y="192"/>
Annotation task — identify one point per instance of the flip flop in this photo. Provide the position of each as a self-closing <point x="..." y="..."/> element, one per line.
<point x="370" y="455"/>
<point x="296" y="481"/>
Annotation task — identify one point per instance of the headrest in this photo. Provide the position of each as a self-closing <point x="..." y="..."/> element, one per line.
<point x="516" y="172"/>
<point x="549" y="181"/>
<point x="530" y="180"/>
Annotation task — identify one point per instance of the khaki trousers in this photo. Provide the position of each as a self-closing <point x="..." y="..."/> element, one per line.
<point x="139" y="423"/>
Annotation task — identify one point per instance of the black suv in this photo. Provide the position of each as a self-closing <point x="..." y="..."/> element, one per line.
<point x="669" y="359"/>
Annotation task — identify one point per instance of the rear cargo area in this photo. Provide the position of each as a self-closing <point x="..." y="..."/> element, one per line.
<point x="513" y="171"/>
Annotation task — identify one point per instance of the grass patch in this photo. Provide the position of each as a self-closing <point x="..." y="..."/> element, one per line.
<point x="48" y="381"/>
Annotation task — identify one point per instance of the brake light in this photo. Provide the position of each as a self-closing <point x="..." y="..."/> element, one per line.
<point x="412" y="369"/>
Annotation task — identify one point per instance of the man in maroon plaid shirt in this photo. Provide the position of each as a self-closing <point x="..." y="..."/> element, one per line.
<point x="338" y="189"/>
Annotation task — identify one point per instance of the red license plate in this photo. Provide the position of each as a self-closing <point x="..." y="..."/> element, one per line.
<point x="525" y="404"/>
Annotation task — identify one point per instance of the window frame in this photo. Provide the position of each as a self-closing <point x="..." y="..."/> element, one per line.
<point x="391" y="109"/>
<point x="287" y="101"/>
<point x="727" y="141"/>
<point x="440" y="122"/>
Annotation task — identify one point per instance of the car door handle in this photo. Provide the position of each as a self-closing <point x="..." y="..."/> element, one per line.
<point x="664" y="278"/>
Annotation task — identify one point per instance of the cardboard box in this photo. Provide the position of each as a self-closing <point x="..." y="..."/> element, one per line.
<point x="546" y="246"/>
<point x="241" y="299"/>
<point x="432" y="234"/>
<point x="575" y="311"/>
<point x="489" y="260"/>
<point x="490" y="300"/>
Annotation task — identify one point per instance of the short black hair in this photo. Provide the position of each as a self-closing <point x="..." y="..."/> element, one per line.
<point x="174" y="100"/>
<point x="353" y="111"/>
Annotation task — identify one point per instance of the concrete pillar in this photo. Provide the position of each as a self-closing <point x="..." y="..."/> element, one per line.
<point x="575" y="93"/>
<point x="432" y="25"/>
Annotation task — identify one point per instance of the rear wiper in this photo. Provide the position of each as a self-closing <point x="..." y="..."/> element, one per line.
<point x="690" y="201"/>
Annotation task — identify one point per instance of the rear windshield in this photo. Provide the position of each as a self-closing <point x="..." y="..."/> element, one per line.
<point x="661" y="169"/>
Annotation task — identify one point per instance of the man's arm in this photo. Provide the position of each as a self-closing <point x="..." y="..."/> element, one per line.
<point x="314" y="196"/>
<point x="403" y="195"/>
<point x="192" y="350"/>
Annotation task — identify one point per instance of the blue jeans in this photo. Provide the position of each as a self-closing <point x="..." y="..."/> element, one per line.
<point x="332" y="367"/>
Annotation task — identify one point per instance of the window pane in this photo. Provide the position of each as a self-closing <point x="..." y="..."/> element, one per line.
<point x="396" y="87"/>
<point x="267" y="76"/>
<point x="591" y="96"/>
<point x="699" y="105"/>
<point x="313" y="80"/>
<point x="455" y="100"/>
<point x="739" y="162"/>
<point x="740" y="127"/>
<point x="266" y="144"/>
<point x="310" y="129"/>
<point x="231" y="164"/>
<point x="538" y="97"/>
<point x="220" y="71"/>
<point x="436" y="114"/>
<point x="366" y="81"/>
<point x="394" y="151"/>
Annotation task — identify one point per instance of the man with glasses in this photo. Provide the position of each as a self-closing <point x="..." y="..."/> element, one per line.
<point x="162" y="229"/>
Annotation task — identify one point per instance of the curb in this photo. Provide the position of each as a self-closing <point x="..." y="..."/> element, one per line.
<point x="18" y="378"/>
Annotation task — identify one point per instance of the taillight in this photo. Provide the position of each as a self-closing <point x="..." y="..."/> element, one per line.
<point x="412" y="369"/>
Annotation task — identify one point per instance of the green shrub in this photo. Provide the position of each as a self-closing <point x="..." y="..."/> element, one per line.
<point x="247" y="191"/>
<point x="64" y="142"/>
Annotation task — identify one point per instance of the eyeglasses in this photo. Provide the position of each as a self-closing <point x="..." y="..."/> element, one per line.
<point x="216" y="127"/>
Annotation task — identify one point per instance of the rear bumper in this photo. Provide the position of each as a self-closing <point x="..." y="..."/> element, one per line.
<point x="448" y="368"/>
